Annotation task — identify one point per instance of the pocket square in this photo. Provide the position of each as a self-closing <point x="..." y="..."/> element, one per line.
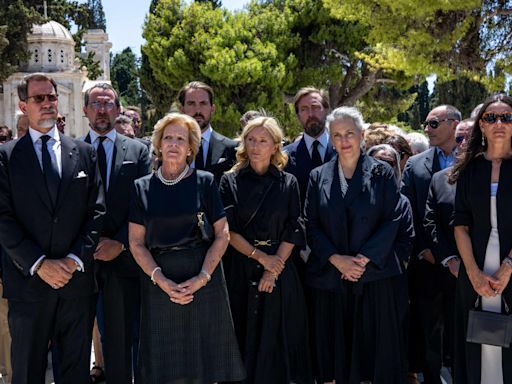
<point x="80" y="175"/>
<point x="221" y="160"/>
<point x="128" y="162"/>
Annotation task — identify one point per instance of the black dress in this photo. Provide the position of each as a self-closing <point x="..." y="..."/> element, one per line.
<point x="271" y="328"/>
<point x="194" y="342"/>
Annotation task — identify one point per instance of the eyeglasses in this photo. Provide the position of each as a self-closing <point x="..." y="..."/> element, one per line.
<point x="459" y="139"/>
<point x="38" y="99"/>
<point x="434" y="123"/>
<point x="491" y="117"/>
<point x="3" y="139"/>
<point x="96" y="105"/>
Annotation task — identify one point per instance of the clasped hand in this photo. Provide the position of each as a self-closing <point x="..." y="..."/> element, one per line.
<point x="182" y="293"/>
<point x="57" y="272"/>
<point x="351" y="268"/>
<point x="272" y="263"/>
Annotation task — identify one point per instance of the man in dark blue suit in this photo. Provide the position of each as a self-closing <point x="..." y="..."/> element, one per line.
<point x="51" y="212"/>
<point x="425" y="291"/>
<point x="217" y="153"/>
<point x="314" y="148"/>
<point x="121" y="160"/>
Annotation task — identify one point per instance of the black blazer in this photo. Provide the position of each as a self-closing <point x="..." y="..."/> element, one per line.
<point x="300" y="164"/>
<point x="365" y="221"/>
<point x="221" y="155"/>
<point x="130" y="161"/>
<point x="416" y="179"/>
<point x="31" y="227"/>
<point x="438" y="221"/>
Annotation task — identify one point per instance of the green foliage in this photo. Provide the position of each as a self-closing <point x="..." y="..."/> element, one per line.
<point x="124" y="74"/>
<point x="93" y="66"/>
<point x="215" y="3"/>
<point x="96" y="15"/>
<point x="16" y="21"/>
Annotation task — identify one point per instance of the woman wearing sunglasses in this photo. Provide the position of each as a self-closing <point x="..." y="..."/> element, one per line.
<point x="483" y="229"/>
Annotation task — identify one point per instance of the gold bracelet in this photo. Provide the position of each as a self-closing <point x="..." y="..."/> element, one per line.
<point x="252" y="253"/>
<point x="153" y="274"/>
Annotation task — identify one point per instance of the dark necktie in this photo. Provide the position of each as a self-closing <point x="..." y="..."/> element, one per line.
<point x="200" y="157"/>
<point x="102" y="161"/>
<point x="315" y="155"/>
<point x="51" y="173"/>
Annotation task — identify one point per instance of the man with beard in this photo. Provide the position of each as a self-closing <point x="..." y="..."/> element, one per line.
<point x="51" y="211"/>
<point x="217" y="153"/>
<point x="314" y="149"/>
<point x="121" y="160"/>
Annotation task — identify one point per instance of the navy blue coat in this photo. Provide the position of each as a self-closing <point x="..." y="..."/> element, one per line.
<point x="300" y="164"/>
<point x="365" y="221"/>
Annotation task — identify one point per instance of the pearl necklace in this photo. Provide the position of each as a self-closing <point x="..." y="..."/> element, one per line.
<point x="173" y="181"/>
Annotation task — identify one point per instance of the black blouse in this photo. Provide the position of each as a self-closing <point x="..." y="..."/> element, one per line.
<point x="169" y="212"/>
<point x="279" y="217"/>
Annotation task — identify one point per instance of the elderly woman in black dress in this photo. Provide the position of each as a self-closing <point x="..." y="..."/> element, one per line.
<point x="482" y="221"/>
<point x="186" y="333"/>
<point x="263" y="209"/>
<point x="352" y="221"/>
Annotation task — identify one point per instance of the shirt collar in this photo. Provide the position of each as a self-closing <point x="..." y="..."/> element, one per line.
<point x="440" y="152"/>
<point x="272" y="171"/>
<point x="110" y="135"/>
<point x="323" y="139"/>
<point x="207" y="133"/>
<point x="36" y="135"/>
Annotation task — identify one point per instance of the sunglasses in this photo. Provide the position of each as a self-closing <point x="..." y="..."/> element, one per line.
<point x="38" y="99"/>
<point x="3" y="139"/>
<point x="434" y="123"/>
<point x="491" y="117"/>
<point x="96" y="105"/>
<point x="459" y="139"/>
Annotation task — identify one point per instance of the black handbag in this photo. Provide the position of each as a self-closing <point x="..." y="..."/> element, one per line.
<point x="490" y="328"/>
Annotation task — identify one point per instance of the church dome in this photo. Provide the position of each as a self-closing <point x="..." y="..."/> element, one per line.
<point x="52" y="48"/>
<point x="52" y="31"/>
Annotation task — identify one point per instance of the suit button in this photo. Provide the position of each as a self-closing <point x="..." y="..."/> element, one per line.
<point x="55" y="220"/>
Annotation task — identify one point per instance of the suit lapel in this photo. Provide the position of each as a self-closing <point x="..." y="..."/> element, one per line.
<point x="69" y="161"/>
<point x="303" y="157"/>
<point x="30" y="163"/>
<point x="431" y="161"/>
<point x="118" y="157"/>
<point x="215" y="150"/>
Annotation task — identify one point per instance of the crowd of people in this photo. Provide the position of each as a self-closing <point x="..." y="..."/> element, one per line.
<point x="353" y="254"/>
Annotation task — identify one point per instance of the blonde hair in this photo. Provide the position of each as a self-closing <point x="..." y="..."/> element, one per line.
<point x="278" y="159"/>
<point x="194" y="133"/>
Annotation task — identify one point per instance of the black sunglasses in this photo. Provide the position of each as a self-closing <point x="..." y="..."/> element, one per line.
<point x="3" y="139"/>
<point x="459" y="139"/>
<point x="491" y="117"/>
<point x="40" y="98"/>
<point x="434" y="123"/>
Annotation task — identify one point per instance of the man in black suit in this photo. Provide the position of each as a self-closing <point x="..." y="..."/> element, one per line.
<point x="121" y="160"/>
<point x="426" y="294"/>
<point x="314" y="148"/>
<point x="217" y="153"/>
<point x="51" y="211"/>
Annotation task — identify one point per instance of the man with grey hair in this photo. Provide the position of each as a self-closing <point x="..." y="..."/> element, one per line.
<point x="425" y="285"/>
<point x="51" y="211"/>
<point x="21" y="124"/>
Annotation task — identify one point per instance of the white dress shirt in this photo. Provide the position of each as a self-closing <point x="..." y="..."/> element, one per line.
<point x="54" y="149"/>
<point x="108" y="146"/>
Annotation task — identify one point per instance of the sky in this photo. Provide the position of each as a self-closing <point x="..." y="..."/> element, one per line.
<point x="125" y="20"/>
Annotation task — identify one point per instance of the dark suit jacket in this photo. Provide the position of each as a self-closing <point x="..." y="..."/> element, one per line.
<point x="31" y="227"/>
<point x="415" y="185"/>
<point x="365" y="221"/>
<point x="221" y="155"/>
<point x="438" y="221"/>
<point x="130" y="161"/>
<point x="300" y="163"/>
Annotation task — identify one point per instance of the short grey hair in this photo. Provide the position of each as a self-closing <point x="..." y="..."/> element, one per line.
<point x="418" y="142"/>
<point x="122" y="119"/>
<point x="345" y="113"/>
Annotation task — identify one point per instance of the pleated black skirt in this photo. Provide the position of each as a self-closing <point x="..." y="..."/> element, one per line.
<point x="187" y="343"/>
